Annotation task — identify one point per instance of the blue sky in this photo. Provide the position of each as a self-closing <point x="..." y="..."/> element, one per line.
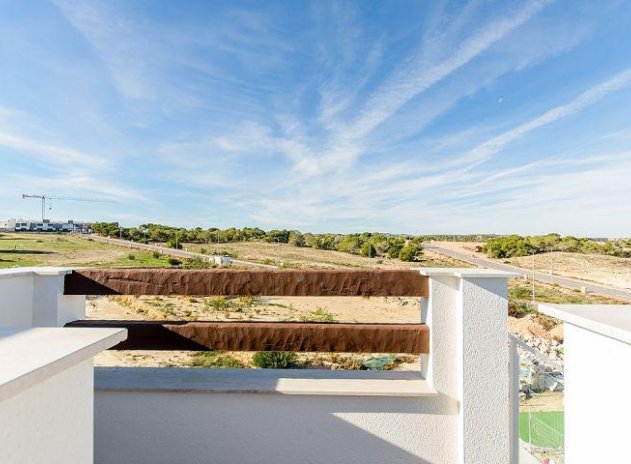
<point x="415" y="117"/>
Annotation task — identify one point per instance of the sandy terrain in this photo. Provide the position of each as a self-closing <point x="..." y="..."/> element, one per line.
<point x="545" y="401"/>
<point x="536" y="325"/>
<point x="607" y="270"/>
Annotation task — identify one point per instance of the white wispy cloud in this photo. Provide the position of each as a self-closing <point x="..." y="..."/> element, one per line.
<point x="408" y="81"/>
<point x="419" y="76"/>
<point x="56" y="155"/>
<point x="489" y="148"/>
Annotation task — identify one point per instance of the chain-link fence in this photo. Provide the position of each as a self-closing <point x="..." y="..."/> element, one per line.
<point x="542" y="433"/>
<point x="541" y="415"/>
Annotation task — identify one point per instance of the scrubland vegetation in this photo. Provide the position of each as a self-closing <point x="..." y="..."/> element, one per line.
<point x="517" y="245"/>
<point x="368" y="244"/>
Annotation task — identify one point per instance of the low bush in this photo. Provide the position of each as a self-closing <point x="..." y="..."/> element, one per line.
<point x="274" y="359"/>
<point x="131" y="256"/>
<point x="174" y="262"/>
<point x="319" y="315"/>
<point x="217" y="303"/>
<point x="215" y="359"/>
<point x="410" y="252"/>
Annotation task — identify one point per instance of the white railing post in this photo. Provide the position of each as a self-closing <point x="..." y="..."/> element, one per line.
<point x="467" y="313"/>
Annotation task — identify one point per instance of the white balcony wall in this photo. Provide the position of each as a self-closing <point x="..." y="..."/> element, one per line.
<point x="460" y="413"/>
<point x="597" y="349"/>
<point x="50" y="422"/>
<point x="46" y="372"/>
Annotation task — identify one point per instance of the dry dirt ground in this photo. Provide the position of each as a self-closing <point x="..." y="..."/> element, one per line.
<point x="606" y="270"/>
<point x="282" y="254"/>
<point x="545" y="401"/>
<point x="535" y="324"/>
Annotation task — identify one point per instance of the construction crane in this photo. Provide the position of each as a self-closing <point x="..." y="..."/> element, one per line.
<point x="45" y="198"/>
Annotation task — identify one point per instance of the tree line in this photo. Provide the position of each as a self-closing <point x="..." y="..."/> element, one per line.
<point x="517" y="245"/>
<point x="373" y="245"/>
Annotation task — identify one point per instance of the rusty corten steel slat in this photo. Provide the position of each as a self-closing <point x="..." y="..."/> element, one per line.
<point x="268" y="336"/>
<point x="376" y="282"/>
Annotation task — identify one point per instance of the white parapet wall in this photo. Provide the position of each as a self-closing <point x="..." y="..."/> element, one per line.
<point x="455" y="411"/>
<point x="597" y="349"/>
<point x="33" y="297"/>
<point x="46" y="372"/>
<point x="47" y="393"/>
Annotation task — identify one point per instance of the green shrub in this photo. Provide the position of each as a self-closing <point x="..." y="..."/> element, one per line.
<point x="196" y="263"/>
<point x="174" y="244"/>
<point x="319" y="315"/>
<point x="508" y="247"/>
<point x="410" y="252"/>
<point x="245" y="302"/>
<point x="274" y="359"/>
<point x="174" y="262"/>
<point x="156" y="255"/>
<point x="217" y="303"/>
<point x="519" y="309"/>
<point x="368" y="250"/>
<point x="215" y="359"/>
<point x="131" y="256"/>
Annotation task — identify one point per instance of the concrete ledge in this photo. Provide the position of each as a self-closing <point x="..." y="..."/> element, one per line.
<point x="34" y="355"/>
<point x="17" y="271"/>
<point x="265" y="381"/>
<point x="612" y="321"/>
<point x="466" y="273"/>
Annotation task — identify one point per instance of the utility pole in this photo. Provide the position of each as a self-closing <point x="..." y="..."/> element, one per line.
<point x="533" y="277"/>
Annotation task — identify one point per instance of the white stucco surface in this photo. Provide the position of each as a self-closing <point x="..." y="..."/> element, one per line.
<point x="33" y="297"/>
<point x="34" y="355"/>
<point x="51" y="422"/>
<point x="597" y="380"/>
<point x="612" y="321"/>
<point x="46" y="373"/>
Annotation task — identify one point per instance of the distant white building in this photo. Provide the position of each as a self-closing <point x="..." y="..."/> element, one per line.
<point x="7" y="226"/>
<point x="221" y="260"/>
<point x="22" y="225"/>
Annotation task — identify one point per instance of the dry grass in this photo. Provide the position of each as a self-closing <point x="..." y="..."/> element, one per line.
<point x="289" y="256"/>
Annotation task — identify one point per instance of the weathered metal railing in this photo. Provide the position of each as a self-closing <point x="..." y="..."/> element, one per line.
<point x="257" y="336"/>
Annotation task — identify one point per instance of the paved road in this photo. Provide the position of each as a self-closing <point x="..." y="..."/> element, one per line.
<point x="545" y="277"/>
<point x="170" y="251"/>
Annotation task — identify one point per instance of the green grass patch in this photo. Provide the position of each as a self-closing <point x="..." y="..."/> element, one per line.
<point x="520" y="296"/>
<point x="45" y="249"/>
<point x="141" y="259"/>
<point x="546" y="428"/>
